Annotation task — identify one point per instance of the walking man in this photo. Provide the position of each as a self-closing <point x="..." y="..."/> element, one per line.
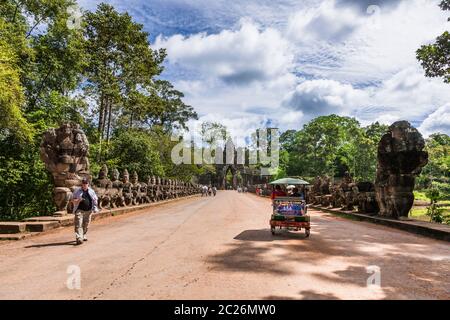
<point x="85" y="202"/>
<point x="204" y="190"/>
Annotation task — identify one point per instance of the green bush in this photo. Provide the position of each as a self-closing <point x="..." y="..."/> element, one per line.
<point x="433" y="194"/>
<point x="444" y="189"/>
<point x="435" y="213"/>
<point x="25" y="186"/>
<point x="135" y="150"/>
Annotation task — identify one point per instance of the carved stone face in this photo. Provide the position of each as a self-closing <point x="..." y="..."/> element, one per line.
<point x="153" y="180"/>
<point x="125" y="177"/>
<point x="115" y="175"/>
<point x="103" y="174"/>
<point x="61" y="198"/>
<point x="66" y="130"/>
<point x="78" y="138"/>
<point x="134" y="178"/>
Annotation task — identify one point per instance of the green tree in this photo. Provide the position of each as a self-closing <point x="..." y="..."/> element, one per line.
<point x="163" y="107"/>
<point x="331" y="145"/>
<point x="365" y="156"/>
<point x="39" y="66"/>
<point x="121" y="66"/>
<point x="12" y="98"/>
<point x="135" y="150"/>
<point x="323" y="145"/>
<point x="435" y="58"/>
<point x="436" y="174"/>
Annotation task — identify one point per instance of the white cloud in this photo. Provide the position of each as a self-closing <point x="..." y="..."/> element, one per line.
<point x="346" y="61"/>
<point x="342" y="43"/>
<point x="323" y="23"/>
<point x="238" y="127"/>
<point x="406" y="95"/>
<point x="320" y="97"/>
<point x="236" y="57"/>
<point x="290" y="120"/>
<point x="438" y="121"/>
<point x="388" y="41"/>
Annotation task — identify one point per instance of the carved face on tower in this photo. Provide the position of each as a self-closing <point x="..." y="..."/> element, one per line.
<point x="153" y="180"/>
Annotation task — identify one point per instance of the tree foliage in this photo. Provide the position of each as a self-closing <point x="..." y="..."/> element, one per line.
<point x="436" y="174"/>
<point x="11" y="96"/>
<point x="435" y="58"/>
<point x="331" y="145"/>
<point x="102" y="76"/>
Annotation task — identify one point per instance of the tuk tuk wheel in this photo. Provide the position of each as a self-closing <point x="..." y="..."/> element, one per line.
<point x="272" y="229"/>
<point x="307" y="233"/>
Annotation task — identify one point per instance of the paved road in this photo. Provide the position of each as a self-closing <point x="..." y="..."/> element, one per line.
<point x="221" y="248"/>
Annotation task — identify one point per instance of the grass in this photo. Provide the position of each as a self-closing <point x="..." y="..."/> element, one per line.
<point x="420" y="195"/>
<point x="420" y="213"/>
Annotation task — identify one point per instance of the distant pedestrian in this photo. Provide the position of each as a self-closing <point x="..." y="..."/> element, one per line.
<point x="214" y="190"/>
<point x="85" y="202"/>
<point x="204" y="191"/>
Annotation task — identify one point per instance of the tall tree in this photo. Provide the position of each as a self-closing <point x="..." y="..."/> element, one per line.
<point x="173" y="113"/>
<point x="121" y="65"/>
<point x="160" y="104"/>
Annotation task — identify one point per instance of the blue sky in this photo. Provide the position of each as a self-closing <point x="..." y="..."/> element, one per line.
<point x="248" y="63"/>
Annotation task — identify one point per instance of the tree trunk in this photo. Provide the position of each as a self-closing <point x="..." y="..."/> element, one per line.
<point x="101" y="120"/>
<point x="105" y="115"/>
<point x="100" y="114"/>
<point x="108" y="130"/>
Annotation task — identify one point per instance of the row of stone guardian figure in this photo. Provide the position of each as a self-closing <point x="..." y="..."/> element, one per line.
<point x="345" y="195"/>
<point x="125" y="191"/>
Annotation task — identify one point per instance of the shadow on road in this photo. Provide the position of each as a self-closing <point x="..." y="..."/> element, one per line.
<point x="266" y="235"/>
<point x="306" y="295"/>
<point x="247" y="256"/>
<point x="406" y="262"/>
<point x="67" y="243"/>
<point x="313" y="295"/>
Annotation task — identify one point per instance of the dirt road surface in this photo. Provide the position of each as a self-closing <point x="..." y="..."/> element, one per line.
<point x="221" y="248"/>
